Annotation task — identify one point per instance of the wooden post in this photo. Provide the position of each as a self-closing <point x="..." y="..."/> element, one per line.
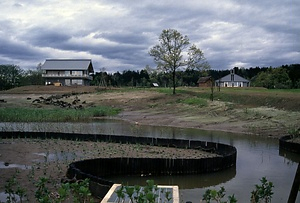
<point x="295" y="187"/>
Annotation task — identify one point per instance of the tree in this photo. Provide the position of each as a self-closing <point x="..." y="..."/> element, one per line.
<point x="197" y="61"/>
<point x="273" y="78"/>
<point x="10" y="76"/>
<point x="168" y="54"/>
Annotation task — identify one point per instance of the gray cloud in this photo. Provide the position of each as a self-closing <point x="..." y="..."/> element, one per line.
<point x="118" y="34"/>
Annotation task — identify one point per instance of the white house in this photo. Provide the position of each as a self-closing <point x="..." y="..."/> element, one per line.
<point x="232" y="80"/>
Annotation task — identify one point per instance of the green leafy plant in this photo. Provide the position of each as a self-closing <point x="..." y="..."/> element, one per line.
<point x="217" y="196"/>
<point x="138" y="194"/>
<point x="263" y="192"/>
<point x="42" y="194"/>
<point x="77" y="192"/>
<point x="81" y="191"/>
<point x="15" y="193"/>
<point x="120" y="193"/>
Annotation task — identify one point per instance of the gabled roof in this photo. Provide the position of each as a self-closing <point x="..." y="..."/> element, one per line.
<point x="237" y="78"/>
<point x="68" y="64"/>
<point x="204" y="79"/>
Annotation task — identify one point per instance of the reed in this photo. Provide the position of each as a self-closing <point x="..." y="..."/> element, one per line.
<point x="54" y="115"/>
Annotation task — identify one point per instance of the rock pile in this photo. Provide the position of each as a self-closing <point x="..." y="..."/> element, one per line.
<point x="56" y="100"/>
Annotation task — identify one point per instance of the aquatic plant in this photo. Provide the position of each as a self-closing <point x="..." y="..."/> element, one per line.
<point x="217" y="196"/>
<point x="15" y="193"/>
<point x="263" y="192"/>
<point x="141" y="194"/>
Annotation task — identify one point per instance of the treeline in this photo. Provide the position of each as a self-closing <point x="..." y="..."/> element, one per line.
<point x="13" y="76"/>
<point x="286" y="76"/>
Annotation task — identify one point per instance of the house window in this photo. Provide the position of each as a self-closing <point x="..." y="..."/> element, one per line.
<point x="68" y="82"/>
<point x="77" y="82"/>
<point x="77" y="73"/>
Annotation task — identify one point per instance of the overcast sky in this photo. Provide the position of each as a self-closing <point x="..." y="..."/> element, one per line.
<point x="117" y="35"/>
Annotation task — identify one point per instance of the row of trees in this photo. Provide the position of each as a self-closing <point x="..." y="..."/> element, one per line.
<point x="13" y="76"/>
<point x="287" y="76"/>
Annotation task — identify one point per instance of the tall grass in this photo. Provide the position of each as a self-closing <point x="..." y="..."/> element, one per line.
<point x="54" y="115"/>
<point x="195" y="101"/>
<point x="255" y="97"/>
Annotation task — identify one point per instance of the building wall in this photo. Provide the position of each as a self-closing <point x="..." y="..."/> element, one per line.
<point x="233" y="84"/>
<point x="205" y="84"/>
<point x="67" y="82"/>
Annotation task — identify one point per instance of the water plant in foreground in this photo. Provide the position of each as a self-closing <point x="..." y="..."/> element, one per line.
<point x="262" y="193"/>
<point x="15" y="193"/>
<point x="141" y="194"/>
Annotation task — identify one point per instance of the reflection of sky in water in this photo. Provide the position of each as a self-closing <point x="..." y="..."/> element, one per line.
<point x="11" y="165"/>
<point x="58" y="156"/>
<point x="3" y="197"/>
<point x="257" y="156"/>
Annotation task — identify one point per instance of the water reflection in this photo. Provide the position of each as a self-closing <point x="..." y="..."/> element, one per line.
<point x="289" y="155"/>
<point x="4" y="165"/>
<point x="58" y="156"/>
<point x="184" y="181"/>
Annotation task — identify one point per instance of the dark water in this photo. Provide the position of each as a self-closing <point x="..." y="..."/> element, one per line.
<point x="257" y="157"/>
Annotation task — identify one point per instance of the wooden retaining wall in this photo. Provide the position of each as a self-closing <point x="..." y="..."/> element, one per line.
<point x="289" y="146"/>
<point x="97" y="169"/>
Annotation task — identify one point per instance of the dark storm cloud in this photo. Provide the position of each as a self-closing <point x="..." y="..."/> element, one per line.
<point x="43" y="37"/>
<point x="118" y="34"/>
<point x="124" y="37"/>
<point x="19" y="50"/>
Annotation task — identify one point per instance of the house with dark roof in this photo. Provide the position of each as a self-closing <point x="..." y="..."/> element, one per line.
<point x="232" y="80"/>
<point x="205" y="81"/>
<point x="67" y="72"/>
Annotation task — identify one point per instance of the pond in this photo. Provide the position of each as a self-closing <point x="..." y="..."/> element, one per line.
<point x="257" y="157"/>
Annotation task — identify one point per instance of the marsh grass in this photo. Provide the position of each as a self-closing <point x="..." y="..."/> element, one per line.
<point x="195" y="101"/>
<point x="54" y="115"/>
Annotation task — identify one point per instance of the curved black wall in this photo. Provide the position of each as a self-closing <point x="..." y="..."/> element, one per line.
<point x="289" y="146"/>
<point x="97" y="169"/>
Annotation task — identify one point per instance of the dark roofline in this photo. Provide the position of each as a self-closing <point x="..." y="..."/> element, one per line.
<point x="204" y="79"/>
<point x="68" y="59"/>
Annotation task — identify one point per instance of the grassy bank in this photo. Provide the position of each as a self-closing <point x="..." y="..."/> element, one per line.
<point x="20" y="114"/>
<point x="251" y="97"/>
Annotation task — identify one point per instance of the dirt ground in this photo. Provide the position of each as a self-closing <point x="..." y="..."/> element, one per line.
<point x="35" y="158"/>
<point x="50" y="158"/>
<point x="153" y="108"/>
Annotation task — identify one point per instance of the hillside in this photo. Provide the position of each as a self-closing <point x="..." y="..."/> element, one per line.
<point x="248" y="111"/>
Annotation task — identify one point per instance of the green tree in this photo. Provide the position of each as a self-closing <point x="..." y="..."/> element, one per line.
<point x="10" y="76"/>
<point x="273" y="78"/>
<point x="169" y="53"/>
<point x="33" y="77"/>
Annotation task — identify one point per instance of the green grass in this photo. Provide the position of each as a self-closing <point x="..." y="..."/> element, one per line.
<point x="169" y="91"/>
<point x="195" y="101"/>
<point x="288" y="99"/>
<point x="54" y="115"/>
